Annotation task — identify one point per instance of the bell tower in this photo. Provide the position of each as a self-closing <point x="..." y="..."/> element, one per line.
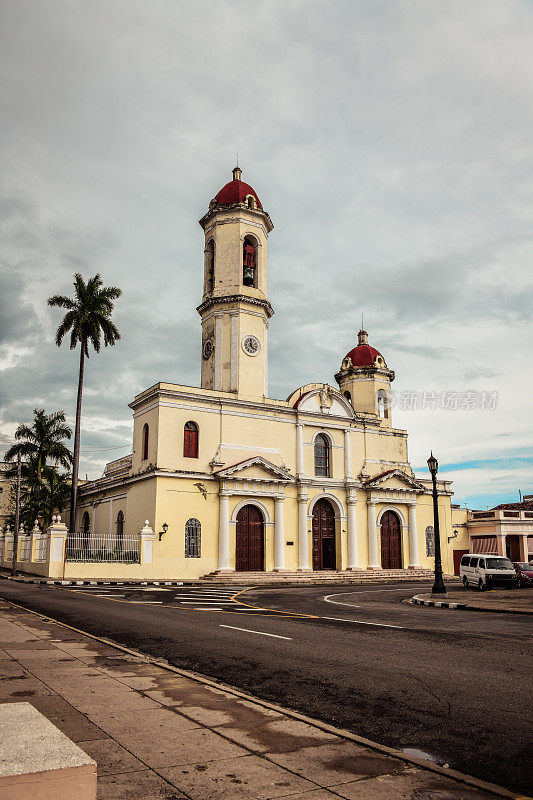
<point x="235" y="309"/>
<point x="364" y="379"/>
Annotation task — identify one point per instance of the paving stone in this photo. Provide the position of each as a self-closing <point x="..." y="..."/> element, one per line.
<point x="143" y="785"/>
<point x="12" y="691"/>
<point x="245" y="777"/>
<point x="92" y="700"/>
<point x="330" y="764"/>
<point x="275" y="734"/>
<point x="112" y="759"/>
<point x="413" y="783"/>
<point x="159" y="740"/>
<point x="71" y="722"/>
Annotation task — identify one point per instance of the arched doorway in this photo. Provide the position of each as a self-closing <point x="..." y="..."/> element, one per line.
<point x="324" y="555"/>
<point x="249" y="540"/>
<point x="391" y="541"/>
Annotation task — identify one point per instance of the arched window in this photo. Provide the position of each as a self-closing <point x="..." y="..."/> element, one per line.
<point x="190" y="440"/>
<point x="210" y="266"/>
<point x="383" y="404"/>
<point x="322" y="456"/>
<point x="193" y="535"/>
<point x="430" y="541"/>
<point x="120" y="530"/>
<point x="249" y="262"/>
<point x="348" y="396"/>
<point x="145" y="442"/>
<point x="250" y="201"/>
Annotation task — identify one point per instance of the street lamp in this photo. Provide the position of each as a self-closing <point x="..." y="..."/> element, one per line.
<point x="438" y="585"/>
<point x="165" y="529"/>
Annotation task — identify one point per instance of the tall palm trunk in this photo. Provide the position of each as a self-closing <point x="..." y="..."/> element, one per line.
<point x="76" y="458"/>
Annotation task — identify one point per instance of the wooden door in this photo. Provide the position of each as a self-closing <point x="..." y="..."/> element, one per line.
<point x="250" y="548"/>
<point x="391" y="541"/>
<point x="324" y="556"/>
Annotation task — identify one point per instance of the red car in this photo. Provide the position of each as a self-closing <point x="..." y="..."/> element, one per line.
<point x="524" y="572"/>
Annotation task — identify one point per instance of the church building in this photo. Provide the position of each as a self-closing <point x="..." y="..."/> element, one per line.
<point x="231" y="480"/>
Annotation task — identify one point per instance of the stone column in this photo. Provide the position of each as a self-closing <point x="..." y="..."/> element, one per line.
<point x="413" y="537"/>
<point x="299" y="448"/>
<point x="279" y="536"/>
<point x="352" y="533"/>
<point x="218" y="351"/>
<point x="524" y="548"/>
<point x="303" y="549"/>
<point x="501" y="544"/>
<point x="234" y="351"/>
<point x="373" y="558"/>
<point x="223" y="534"/>
<point x="57" y="533"/>
<point x="347" y="456"/>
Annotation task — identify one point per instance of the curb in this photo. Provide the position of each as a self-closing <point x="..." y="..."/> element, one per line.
<point x="446" y="772"/>
<point x="73" y="582"/>
<point x="420" y="601"/>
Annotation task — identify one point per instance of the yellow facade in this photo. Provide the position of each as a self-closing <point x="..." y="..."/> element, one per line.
<point x="325" y="472"/>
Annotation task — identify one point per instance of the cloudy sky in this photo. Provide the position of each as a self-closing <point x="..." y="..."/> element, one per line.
<point x="391" y="144"/>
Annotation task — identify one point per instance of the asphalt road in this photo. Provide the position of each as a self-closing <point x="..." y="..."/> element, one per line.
<point x="455" y="685"/>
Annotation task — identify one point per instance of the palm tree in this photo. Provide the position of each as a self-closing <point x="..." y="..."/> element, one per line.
<point x="42" y="440"/>
<point x="88" y="319"/>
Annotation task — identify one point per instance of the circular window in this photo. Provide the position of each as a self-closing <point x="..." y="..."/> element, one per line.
<point x="251" y="345"/>
<point x="207" y="348"/>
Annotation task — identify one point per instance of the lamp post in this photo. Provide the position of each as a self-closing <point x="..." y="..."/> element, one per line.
<point x="438" y="584"/>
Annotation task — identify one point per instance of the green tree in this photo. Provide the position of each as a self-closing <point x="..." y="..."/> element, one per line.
<point x="88" y="320"/>
<point x="42" y="440"/>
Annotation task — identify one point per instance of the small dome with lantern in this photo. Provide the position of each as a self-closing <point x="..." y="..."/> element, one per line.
<point x="236" y="191"/>
<point x="364" y="355"/>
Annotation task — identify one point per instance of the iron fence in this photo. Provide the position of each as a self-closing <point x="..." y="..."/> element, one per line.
<point x="25" y="548"/>
<point x="41" y="551"/>
<point x="104" y="548"/>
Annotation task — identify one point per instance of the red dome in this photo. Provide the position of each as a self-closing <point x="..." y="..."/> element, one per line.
<point x="363" y="355"/>
<point x="236" y="191"/>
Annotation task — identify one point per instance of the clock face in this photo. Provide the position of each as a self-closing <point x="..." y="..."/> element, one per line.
<point x="207" y="348"/>
<point x="251" y="345"/>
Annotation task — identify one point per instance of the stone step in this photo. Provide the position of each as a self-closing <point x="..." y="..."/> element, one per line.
<point x="319" y="576"/>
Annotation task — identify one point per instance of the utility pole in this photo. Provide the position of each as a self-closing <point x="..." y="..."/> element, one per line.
<point x="17" y="520"/>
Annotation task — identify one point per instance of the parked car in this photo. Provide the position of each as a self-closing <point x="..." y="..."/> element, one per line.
<point x="524" y="572"/>
<point x="487" y="571"/>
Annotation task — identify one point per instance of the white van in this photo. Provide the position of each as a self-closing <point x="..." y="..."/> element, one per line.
<point x="486" y="571"/>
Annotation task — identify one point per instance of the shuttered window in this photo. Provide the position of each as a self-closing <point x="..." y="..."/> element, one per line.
<point x="193" y="533"/>
<point x="190" y="440"/>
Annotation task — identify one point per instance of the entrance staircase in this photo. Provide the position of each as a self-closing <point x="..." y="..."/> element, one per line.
<point x="311" y="577"/>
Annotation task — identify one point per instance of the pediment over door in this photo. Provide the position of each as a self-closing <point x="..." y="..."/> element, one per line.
<point x="256" y="468"/>
<point x="394" y="479"/>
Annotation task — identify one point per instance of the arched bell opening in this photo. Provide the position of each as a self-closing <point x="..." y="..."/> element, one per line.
<point x="249" y="261"/>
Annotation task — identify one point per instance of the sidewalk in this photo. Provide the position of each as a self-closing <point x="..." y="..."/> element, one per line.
<point x="510" y="601"/>
<point x="160" y="733"/>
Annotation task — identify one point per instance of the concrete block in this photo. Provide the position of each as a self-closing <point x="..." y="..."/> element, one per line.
<point x="38" y="762"/>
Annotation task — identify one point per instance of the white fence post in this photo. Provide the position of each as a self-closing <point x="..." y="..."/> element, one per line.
<point x="56" y="554"/>
<point x="147" y="544"/>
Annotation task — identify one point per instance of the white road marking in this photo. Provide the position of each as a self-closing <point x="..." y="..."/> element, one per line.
<point x="360" y="622"/>
<point x="336" y="603"/>
<point x="374" y="591"/>
<point x="205" y="603"/>
<point x="111" y="595"/>
<point x="260" y="633"/>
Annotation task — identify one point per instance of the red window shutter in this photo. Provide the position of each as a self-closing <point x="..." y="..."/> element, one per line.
<point x="190" y="441"/>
